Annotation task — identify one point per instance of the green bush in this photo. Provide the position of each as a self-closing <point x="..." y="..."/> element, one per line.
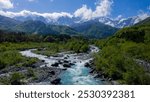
<point x="116" y="59"/>
<point x="30" y="72"/>
<point x="16" y="78"/>
<point x="9" y="58"/>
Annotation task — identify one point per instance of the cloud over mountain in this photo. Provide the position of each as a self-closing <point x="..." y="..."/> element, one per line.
<point x="26" y="13"/>
<point x="103" y="8"/>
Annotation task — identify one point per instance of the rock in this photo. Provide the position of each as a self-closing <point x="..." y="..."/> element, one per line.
<point x="64" y="69"/>
<point x="59" y="62"/>
<point x="98" y="76"/>
<point x="102" y="79"/>
<point x="55" y="65"/>
<point x="65" y="58"/>
<point x="145" y="64"/>
<point x="92" y="71"/>
<point x="67" y="65"/>
<point x="55" y="55"/>
<point x="109" y="79"/>
<point x="74" y="62"/>
<point x="43" y="60"/>
<point x="71" y="64"/>
<point x="56" y="81"/>
<point x="37" y="64"/>
<point x="52" y="72"/>
<point x="65" y="61"/>
<point x="87" y="65"/>
<point x="91" y="62"/>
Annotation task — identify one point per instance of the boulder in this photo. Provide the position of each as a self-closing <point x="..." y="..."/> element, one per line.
<point x="64" y="69"/>
<point x="59" y="62"/>
<point x="67" y="65"/>
<point x="43" y="60"/>
<point x="109" y="79"/>
<point x="52" y="72"/>
<point x="98" y="76"/>
<point x="92" y="71"/>
<point x="56" y="81"/>
<point x="71" y="64"/>
<point x="55" y="65"/>
<point x="65" y="61"/>
<point x="65" y="58"/>
<point x="87" y="65"/>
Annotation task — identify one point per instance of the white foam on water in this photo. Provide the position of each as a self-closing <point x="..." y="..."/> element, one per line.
<point x="29" y="53"/>
<point x="78" y="74"/>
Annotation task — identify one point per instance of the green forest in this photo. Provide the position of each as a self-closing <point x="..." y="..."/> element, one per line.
<point x="119" y="54"/>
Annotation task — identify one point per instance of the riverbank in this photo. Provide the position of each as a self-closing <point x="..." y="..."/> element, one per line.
<point x="65" y="68"/>
<point x="72" y="65"/>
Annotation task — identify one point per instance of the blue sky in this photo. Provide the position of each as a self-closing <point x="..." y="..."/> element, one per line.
<point x="112" y="8"/>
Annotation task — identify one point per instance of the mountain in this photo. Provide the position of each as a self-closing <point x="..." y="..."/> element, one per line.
<point x="91" y="28"/>
<point x="67" y="20"/>
<point x="144" y="22"/>
<point x="7" y="23"/>
<point x="64" y="20"/>
<point x="33" y="18"/>
<point x="97" y="28"/>
<point x="39" y="27"/>
<point x="94" y="29"/>
<point x="121" y="23"/>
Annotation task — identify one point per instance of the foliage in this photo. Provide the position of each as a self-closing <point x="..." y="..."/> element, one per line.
<point x="118" y="54"/>
<point x="9" y="58"/>
<point x="95" y="29"/>
<point x="30" y="72"/>
<point x="16" y="78"/>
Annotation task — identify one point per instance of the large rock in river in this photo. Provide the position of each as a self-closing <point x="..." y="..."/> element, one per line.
<point x="55" y="64"/>
<point x="56" y="81"/>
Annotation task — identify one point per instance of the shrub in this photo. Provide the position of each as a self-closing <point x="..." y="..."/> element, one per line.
<point x="30" y="72"/>
<point x="16" y="78"/>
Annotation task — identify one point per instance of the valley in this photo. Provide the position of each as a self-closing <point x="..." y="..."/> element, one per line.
<point x="63" y="68"/>
<point x="91" y="53"/>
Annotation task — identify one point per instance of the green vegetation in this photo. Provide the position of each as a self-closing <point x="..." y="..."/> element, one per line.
<point x="73" y="44"/>
<point x="16" y="78"/>
<point x="117" y="59"/>
<point x="12" y="43"/>
<point x="95" y="29"/>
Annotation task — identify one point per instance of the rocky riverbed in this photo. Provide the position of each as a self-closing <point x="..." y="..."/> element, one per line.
<point x="65" y="68"/>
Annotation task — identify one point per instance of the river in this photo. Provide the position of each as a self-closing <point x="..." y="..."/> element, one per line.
<point x="77" y="74"/>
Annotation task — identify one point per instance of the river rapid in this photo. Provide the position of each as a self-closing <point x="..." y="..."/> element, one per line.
<point x="77" y="73"/>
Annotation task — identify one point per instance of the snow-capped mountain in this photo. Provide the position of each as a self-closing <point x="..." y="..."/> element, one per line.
<point x="67" y="20"/>
<point x="125" y="22"/>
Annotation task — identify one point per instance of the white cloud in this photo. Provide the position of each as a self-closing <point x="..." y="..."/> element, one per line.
<point x="6" y="4"/>
<point x="103" y="8"/>
<point x="84" y="13"/>
<point x="25" y="13"/>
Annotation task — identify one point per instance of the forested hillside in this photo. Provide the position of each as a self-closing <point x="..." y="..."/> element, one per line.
<point x="125" y="57"/>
